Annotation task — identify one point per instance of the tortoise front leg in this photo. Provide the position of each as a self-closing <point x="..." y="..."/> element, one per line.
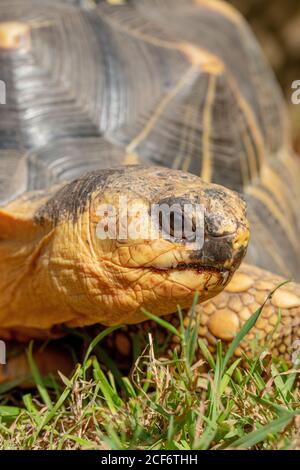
<point x="223" y="316"/>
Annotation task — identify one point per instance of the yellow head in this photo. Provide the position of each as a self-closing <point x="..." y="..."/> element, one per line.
<point x="116" y="248"/>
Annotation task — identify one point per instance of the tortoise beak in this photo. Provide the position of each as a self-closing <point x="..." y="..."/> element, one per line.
<point x="223" y="253"/>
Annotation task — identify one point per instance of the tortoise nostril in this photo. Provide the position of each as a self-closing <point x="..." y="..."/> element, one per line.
<point x="217" y="225"/>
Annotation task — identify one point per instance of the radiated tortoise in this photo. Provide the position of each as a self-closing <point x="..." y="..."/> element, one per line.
<point x="158" y="104"/>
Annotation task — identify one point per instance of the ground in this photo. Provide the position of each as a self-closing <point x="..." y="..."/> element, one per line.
<point x="276" y="26"/>
<point x="177" y="403"/>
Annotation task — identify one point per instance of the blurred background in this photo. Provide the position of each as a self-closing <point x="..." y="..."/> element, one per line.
<point x="276" y="24"/>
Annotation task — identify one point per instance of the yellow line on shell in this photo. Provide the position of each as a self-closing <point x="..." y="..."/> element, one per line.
<point x="251" y="156"/>
<point x="137" y="34"/>
<point x="206" y="172"/>
<point x="272" y="206"/>
<point x="190" y="143"/>
<point x="222" y="8"/>
<point x="159" y="110"/>
<point x="251" y="120"/>
<point x="273" y="182"/>
<point x="131" y="159"/>
<point x="183" y="138"/>
<point x="263" y="234"/>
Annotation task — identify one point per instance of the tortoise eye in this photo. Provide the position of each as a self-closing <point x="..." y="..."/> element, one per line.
<point x="190" y="228"/>
<point x="177" y="224"/>
<point x="177" y="219"/>
<point x="171" y="222"/>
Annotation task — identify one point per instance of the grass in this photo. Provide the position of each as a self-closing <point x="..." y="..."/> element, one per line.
<point x="179" y="403"/>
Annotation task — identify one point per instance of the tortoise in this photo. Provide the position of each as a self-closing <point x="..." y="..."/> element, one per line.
<point x="160" y="105"/>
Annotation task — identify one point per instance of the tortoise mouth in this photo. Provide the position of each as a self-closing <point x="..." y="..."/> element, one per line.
<point x="198" y="267"/>
<point x="183" y="272"/>
<point x="194" y="266"/>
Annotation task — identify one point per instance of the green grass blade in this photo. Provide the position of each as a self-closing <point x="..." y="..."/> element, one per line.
<point x="255" y="437"/>
<point x="247" y="327"/>
<point x="111" y="397"/>
<point x="162" y="323"/>
<point x="206" y="354"/>
<point x="227" y="375"/>
<point x="97" y="340"/>
<point x="38" y="378"/>
<point x="9" y="411"/>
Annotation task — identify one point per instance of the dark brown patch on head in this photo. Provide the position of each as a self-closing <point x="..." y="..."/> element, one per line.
<point x="148" y="182"/>
<point x="214" y="192"/>
<point x="214" y="224"/>
<point x="214" y="252"/>
<point x="71" y="200"/>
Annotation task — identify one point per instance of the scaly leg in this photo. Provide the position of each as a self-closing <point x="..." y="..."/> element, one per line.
<point x="223" y="316"/>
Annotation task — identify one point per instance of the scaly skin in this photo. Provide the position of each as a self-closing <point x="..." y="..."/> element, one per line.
<point x="55" y="270"/>
<point x="220" y="319"/>
<point x="223" y="316"/>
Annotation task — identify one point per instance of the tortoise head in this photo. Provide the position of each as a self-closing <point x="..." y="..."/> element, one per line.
<point x="100" y="248"/>
<point x="143" y="237"/>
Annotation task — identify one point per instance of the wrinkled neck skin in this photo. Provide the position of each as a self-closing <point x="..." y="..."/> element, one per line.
<point x="39" y="270"/>
<point x="55" y="270"/>
<point x="57" y="276"/>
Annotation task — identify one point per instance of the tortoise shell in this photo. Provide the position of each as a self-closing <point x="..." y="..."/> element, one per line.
<point x="185" y="87"/>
